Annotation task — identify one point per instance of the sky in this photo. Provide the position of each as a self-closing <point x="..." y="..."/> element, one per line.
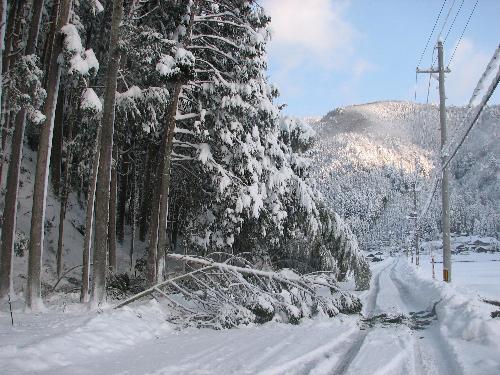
<point x="330" y="53"/>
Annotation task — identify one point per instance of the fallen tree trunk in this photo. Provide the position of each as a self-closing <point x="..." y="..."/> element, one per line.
<point x="223" y="295"/>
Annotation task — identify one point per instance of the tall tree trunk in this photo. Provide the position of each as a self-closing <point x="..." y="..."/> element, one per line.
<point x="15" y="10"/>
<point x="10" y="37"/>
<point x="89" y="219"/>
<point x="168" y="137"/>
<point x="57" y="144"/>
<point x="49" y="45"/>
<point x="3" y="22"/>
<point x="134" y="203"/>
<point x="104" y="171"/>
<point x="10" y="210"/>
<point x="165" y="182"/>
<point x="152" y="262"/>
<point x="33" y="292"/>
<point x="5" y="255"/>
<point x="146" y="192"/>
<point x="112" y="214"/>
<point x="64" y="205"/>
<point x="123" y="194"/>
<point x="14" y="46"/>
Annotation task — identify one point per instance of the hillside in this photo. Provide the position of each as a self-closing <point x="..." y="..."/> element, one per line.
<point x="368" y="158"/>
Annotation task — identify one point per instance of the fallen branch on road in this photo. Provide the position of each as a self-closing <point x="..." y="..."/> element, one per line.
<point x="223" y="295"/>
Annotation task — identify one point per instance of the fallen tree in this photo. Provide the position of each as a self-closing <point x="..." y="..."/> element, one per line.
<point x="224" y="295"/>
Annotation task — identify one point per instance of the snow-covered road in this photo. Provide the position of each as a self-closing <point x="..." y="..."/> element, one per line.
<point x="402" y="334"/>
<point x="410" y="325"/>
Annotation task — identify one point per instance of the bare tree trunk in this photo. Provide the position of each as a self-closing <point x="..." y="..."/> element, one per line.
<point x="3" y="22"/>
<point x="64" y="198"/>
<point x="168" y="137"/>
<point x="146" y="192"/>
<point x="112" y="214"/>
<point x="15" y="9"/>
<point x="49" y="45"/>
<point x="123" y="194"/>
<point x="151" y="274"/>
<point x="65" y="188"/>
<point x="134" y="202"/>
<point x="165" y="182"/>
<point x="104" y="171"/>
<point x="57" y="144"/>
<point x="12" y="32"/>
<point x="10" y="210"/>
<point x="84" y="296"/>
<point x="33" y="292"/>
<point x="14" y="46"/>
<point x="5" y="255"/>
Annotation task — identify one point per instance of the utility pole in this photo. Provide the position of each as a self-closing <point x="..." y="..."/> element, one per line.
<point x="445" y="215"/>
<point x="417" y="249"/>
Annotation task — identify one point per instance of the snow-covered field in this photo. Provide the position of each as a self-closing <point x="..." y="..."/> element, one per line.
<point x="412" y="325"/>
<point x="479" y="273"/>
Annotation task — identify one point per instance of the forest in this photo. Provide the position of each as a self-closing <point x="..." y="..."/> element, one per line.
<point x="158" y="119"/>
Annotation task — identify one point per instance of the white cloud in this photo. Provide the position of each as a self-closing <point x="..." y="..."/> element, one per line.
<point x="361" y="67"/>
<point x="312" y="32"/>
<point x="466" y="69"/>
<point x="349" y="88"/>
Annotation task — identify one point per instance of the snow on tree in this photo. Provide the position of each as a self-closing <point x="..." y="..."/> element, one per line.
<point x="230" y="293"/>
<point x="198" y="152"/>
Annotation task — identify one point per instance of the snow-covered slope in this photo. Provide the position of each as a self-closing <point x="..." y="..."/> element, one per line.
<point x="369" y="156"/>
<point x="74" y="227"/>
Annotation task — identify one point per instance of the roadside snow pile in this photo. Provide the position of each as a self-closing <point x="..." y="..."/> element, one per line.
<point x="465" y="320"/>
<point x="224" y="295"/>
<point x="108" y="332"/>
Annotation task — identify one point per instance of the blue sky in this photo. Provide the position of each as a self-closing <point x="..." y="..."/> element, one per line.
<point x="330" y="53"/>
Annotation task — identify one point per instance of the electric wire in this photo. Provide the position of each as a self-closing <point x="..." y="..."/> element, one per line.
<point x="432" y="32"/>
<point x="491" y="89"/>
<point x="453" y="22"/>
<point x="470" y="107"/>
<point x="433" y="50"/>
<point x="446" y="19"/>
<point x="462" y="34"/>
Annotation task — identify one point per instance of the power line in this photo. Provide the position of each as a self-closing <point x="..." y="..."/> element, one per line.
<point x="488" y="95"/>
<point x="453" y="22"/>
<point x="463" y="31"/>
<point x="432" y="32"/>
<point x="446" y="19"/>
<point x="470" y="107"/>
<point x="437" y="174"/>
<point x="433" y="59"/>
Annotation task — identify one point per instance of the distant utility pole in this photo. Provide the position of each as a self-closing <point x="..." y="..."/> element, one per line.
<point x="444" y="184"/>
<point x="417" y="247"/>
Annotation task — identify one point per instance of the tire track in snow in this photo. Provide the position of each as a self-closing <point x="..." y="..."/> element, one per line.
<point x="433" y="353"/>
<point x="356" y="346"/>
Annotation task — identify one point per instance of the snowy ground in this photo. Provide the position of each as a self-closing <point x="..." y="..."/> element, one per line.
<point x="414" y="325"/>
<point x="478" y="273"/>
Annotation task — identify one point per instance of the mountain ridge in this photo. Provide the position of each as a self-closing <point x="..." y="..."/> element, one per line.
<point x="368" y="156"/>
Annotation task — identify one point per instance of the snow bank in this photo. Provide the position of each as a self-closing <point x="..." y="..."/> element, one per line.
<point x="108" y="332"/>
<point x="465" y="320"/>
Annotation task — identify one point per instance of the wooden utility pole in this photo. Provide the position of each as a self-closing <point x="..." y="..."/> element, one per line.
<point x="445" y="196"/>
<point x="415" y="239"/>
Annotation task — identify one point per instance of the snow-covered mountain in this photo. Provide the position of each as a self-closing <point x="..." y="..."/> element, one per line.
<point x="368" y="157"/>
